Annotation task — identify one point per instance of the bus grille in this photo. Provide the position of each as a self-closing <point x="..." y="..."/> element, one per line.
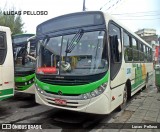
<point x="64" y="81"/>
<point x="69" y="80"/>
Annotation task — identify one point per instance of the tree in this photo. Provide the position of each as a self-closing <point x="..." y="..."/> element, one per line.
<point x="13" y="21"/>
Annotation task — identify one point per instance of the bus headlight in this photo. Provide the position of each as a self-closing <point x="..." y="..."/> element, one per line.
<point x="40" y="91"/>
<point x="93" y="94"/>
<point x="96" y="92"/>
<point x="85" y="96"/>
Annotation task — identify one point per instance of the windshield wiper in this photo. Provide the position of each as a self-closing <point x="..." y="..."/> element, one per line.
<point x="75" y="40"/>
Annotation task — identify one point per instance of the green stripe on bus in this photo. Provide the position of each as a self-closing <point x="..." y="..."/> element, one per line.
<point x="24" y="79"/>
<point x="6" y="92"/>
<point x="79" y="89"/>
<point x="134" y="86"/>
<point x="6" y="97"/>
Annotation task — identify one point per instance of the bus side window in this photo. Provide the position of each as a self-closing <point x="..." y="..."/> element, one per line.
<point x="3" y="49"/>
<point x="127" y="47"/>
<point x="115" y="49"/>
<point x="135" y="50"/>
<point x="115" y="43"/>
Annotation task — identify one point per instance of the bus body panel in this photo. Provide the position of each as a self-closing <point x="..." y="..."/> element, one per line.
<point x="7" y="68"/>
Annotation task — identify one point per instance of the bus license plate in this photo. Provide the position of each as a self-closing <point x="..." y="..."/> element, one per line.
<point x="60" y="102"/>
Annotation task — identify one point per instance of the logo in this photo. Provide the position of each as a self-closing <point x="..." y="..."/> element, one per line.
<point x="60" y="77"/>
<point x="59" y="93"/>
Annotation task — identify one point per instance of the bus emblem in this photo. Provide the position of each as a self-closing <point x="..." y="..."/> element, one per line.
<point x="59" y="93"/>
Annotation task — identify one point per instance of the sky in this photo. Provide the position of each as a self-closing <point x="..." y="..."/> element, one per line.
<point x="134" y="14"/>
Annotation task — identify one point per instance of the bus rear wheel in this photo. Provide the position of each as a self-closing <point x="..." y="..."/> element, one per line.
<point x="146" y="85"/>
<point x="125" y="96"/>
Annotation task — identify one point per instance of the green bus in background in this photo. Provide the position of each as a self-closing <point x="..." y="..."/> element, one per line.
<point x="24" y="46"/>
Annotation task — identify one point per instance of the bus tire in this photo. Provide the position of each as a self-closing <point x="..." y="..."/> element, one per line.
<point x="147" y="78"/>
<point x="125" y="97"/>
<point x="128" y="84"/>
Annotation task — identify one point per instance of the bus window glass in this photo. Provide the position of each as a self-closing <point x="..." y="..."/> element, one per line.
<point x="2" y="48"/>
<point x="134" y="44"/>
<point x="127" y="47"/>
<point x="114" y="31"/>
<point x="2" y="41"/>
<point x="88" y="56"/>
<point x="141" y="54"/>
<point x="135" y="50"/>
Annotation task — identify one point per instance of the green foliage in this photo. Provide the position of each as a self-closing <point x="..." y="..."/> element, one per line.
<point x="13" y="21"/>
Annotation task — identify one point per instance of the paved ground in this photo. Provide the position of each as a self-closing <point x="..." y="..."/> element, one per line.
<point x="143" y="108"/>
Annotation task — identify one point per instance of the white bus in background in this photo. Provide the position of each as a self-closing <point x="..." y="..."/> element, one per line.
<point x="6" y="64"/>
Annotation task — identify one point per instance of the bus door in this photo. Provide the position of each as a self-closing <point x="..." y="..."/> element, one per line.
<point x="116" y="73"/>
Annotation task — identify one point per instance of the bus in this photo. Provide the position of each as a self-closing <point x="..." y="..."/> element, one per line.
<point x="6" y="64"/>
<point x="24" y="61"/>
<point x="89" y="62"/>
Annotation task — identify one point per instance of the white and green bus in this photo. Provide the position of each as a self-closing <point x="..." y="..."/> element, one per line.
<point x="24" y="60"/>
<point x="6" y="64"/>
<point x="89" y="62"/>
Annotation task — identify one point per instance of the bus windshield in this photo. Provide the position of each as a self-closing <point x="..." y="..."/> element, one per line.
<point x="21" y="59"/>
<point x="74" y="54"/>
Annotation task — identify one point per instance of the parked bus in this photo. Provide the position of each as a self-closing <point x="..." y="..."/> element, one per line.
<point x="89" y="62"/>
<point x="6" y="64"/>
<point x="24" y="59"/>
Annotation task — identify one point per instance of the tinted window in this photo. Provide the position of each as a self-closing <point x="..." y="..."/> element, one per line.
<point x="141" y="54"/>
<point x="2" y="47"/>
<point x="114" y="31"/>
<point x="134" y="43"/>
<point x="135" y="50"/>
<point x="127" y="47"/>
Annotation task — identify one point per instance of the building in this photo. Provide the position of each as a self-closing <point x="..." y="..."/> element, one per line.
<point x="150" y="36"/>
<point x="146" y="32"/>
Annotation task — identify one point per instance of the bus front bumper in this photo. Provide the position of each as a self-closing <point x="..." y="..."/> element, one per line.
<point x="96" y="105"/>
